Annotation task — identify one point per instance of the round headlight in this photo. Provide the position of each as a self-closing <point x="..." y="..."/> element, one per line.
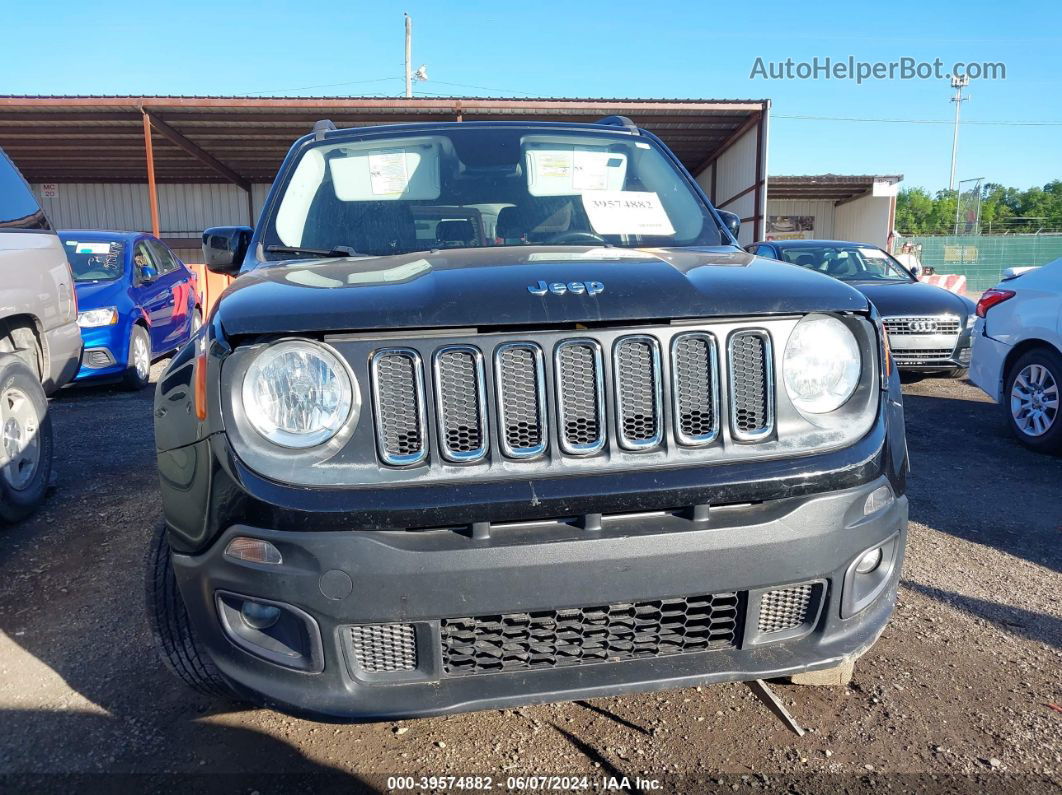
<point x="298" y="394"/>
<point x="822" y="364"/>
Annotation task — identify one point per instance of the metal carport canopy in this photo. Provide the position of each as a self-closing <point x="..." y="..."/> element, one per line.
<point x="242" y="140"/>
<point x="101" y="138"/>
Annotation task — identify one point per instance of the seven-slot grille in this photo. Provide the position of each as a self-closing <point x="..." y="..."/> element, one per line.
<point x="580" y="399"/>
<point x="637" y="372"/>
<point x="528" y="396"/>
<point x="751" y="411"/>
<point x="947" y="325"/>
<point x="460" y="403"/>
<point x="519" y="377"/>
<point x="585" y="635"/>
<point x="398" y="404"/>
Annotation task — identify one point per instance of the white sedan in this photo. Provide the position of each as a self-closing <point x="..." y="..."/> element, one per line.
<point x="1017" y="353"/>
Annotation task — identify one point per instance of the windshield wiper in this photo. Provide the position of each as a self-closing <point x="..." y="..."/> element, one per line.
<point x="335" y="251"/>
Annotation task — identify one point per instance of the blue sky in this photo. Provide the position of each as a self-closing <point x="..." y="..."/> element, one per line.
<point x="589" y="49"/>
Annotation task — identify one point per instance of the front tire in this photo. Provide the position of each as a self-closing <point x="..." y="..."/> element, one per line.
<point x="958" y="374"/>
<point x="170" y="627"/>
<point x="1032" y="400"/>
<point x="26" y="444"/>
<point x="138" y="369"/>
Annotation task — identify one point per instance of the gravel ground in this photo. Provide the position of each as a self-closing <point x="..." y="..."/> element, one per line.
<point x="962" y="692"/>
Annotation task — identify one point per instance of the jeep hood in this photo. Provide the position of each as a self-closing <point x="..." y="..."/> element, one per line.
<point x="484" y="287"/>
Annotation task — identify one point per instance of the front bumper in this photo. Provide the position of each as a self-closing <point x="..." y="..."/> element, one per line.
<point x="421" y="578"/>
<point x="106" y="351"/>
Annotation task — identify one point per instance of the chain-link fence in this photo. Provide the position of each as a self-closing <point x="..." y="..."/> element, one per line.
<point x="982" y="258"/>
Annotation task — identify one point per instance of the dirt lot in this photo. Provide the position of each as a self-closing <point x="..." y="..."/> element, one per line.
<point x="961" y="693"/>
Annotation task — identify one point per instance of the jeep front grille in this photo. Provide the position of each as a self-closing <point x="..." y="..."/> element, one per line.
<point x="519" y="378"/>
<point x="639" y="415"/>
<point x="398" y="403"/>
<point x="647" y="391"/>
<point x="460" y="403"/>
<point x="751" y="395"/>
<point x="585" y="635"/>
<point x="580" y="399"/>
<point x="695" y="388"/>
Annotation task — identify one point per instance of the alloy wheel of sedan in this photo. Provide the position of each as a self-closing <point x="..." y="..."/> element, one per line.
<point x="1034" y="400"/>
<point x="20" y="448"/>
<point x="141" y="357"/>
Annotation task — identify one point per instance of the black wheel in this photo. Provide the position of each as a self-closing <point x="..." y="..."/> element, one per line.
<point x="26" y="444"/>
<point x="958" y="374"/>
<point x="168" y="619"/>
<point x="138" y="369"/>
<point x="1032" y="400"/>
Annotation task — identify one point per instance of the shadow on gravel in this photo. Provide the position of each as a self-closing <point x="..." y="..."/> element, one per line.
<point x="71" y="596"/>
<point x="972" y="479"/>
<point x="1039" y="627"/>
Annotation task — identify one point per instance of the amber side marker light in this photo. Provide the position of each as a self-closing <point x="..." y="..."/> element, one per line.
<point x="199" y="378"/>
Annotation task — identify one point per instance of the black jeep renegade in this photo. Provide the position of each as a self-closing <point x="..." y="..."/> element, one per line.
<point x="500" y="413"/>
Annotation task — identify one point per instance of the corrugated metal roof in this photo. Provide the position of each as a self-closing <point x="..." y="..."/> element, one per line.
<point x="825" y="186"/>
<point x="99" y="138"/>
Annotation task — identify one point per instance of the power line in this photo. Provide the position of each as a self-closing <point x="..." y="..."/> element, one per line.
<point x="921" y="121"/>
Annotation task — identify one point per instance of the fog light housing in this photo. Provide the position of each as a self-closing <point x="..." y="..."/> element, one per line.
<point x="259" y="616"/>
<point x="870" y="561"/>
<point x="869" y="574"/>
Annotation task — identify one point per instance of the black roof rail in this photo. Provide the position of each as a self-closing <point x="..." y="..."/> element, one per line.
<point x="322" y="126"/>
<point x="619" y="121"/>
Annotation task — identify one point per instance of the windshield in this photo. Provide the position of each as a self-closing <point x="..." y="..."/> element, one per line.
<point x="95" y="260"/>
<point x="470" y="187"/>
<point x="847" y="263"/>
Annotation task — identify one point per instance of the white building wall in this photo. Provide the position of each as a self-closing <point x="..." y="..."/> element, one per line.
<point x="184" y="210"/>
<point x="737" y="172"/>
<point x="865" y="220"/>
<point x="822" y="210"/>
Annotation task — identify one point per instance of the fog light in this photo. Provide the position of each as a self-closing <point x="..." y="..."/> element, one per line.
<point x="253" y="550"/>
<point x="870" y="561"/>
<point x="259" y="616"/>
<point x="877" y="499"/>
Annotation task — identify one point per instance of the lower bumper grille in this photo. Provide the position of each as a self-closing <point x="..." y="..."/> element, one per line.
<point x="384" y="648"/>
<point x="586" y="635"/>
<point x="97" y="358"/>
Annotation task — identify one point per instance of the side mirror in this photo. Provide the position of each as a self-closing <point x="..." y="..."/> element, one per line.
<point x="731" y="220"/>
<point x="148" y="273"/>
<point x="224" y="248"/>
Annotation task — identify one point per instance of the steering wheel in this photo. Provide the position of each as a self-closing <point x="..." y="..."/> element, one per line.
<point x="576" y="237"/>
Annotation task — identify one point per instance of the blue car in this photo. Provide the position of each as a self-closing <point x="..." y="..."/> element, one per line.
<point x="136" y="302"/>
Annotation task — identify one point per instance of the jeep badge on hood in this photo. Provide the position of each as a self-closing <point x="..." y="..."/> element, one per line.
<point x="560" y="288"/>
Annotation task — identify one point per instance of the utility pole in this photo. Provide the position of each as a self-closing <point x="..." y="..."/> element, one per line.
<point x="409" y="68"/>
<point x="958" y="82"/>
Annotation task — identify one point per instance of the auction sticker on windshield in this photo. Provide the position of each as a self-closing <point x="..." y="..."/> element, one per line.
<point x="626" y="212"/>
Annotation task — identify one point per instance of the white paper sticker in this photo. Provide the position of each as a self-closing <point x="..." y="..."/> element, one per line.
<point x="591" y="170"/>
<point x="92" y="248"/>
<point x="626" y="212"/>
<point x="387" y="173"/>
